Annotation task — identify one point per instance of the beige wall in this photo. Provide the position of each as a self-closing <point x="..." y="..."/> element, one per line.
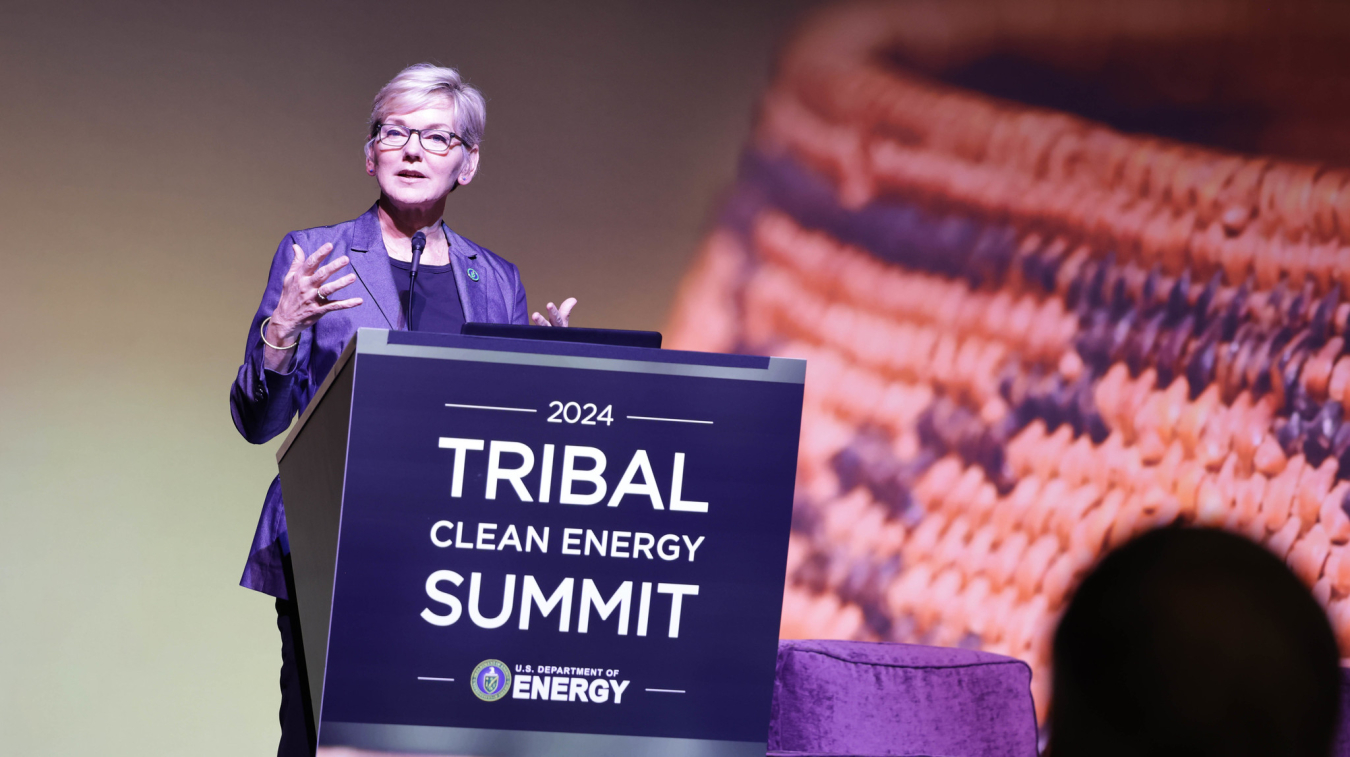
<point x="150" y="161"/>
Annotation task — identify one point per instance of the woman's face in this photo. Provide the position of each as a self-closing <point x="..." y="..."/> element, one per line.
<point x="413" y="176"/>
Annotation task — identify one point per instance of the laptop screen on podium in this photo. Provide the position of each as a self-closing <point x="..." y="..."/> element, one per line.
<point x="615" y="337"/>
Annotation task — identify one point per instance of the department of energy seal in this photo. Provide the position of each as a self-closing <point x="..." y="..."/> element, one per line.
<point x="490" y="680"/>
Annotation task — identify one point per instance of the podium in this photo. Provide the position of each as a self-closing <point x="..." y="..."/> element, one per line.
<point x="510" y="547"/>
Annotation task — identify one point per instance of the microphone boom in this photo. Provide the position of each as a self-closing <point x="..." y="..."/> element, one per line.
<point x="419" y="243"/>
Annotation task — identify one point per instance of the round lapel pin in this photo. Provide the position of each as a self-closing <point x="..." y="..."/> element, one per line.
<point x="473" y="275"/>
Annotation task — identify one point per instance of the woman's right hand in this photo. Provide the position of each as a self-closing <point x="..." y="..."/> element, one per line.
<point x="304" y="300"/>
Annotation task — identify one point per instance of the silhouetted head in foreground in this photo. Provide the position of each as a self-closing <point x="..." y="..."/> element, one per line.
<point x="1193" y="642"/>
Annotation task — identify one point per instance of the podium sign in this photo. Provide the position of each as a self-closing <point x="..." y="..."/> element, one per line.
<point x="508" y="547"/>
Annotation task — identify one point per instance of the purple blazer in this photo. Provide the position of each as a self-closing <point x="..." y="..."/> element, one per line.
<point x="263" y="402"/>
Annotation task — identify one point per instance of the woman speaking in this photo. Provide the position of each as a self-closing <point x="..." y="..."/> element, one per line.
<point x="325" y="283"/>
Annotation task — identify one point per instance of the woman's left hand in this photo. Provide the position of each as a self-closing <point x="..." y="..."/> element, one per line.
<point x="557" y="316"/>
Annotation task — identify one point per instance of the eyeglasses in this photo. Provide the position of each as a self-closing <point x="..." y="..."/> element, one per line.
<point x="439" y="141"/>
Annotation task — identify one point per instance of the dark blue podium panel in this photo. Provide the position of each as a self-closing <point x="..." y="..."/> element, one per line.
<point x="549" y="548"/>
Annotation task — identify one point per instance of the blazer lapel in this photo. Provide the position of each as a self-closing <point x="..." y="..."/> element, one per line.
<point x="471" y="288"/>
<point x="370" y="261"/>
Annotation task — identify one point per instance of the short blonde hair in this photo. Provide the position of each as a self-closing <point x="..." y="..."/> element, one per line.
<point x="421" y="85"/>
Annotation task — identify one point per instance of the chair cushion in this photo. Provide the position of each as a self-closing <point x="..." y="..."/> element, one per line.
<point x="1341" y="747"/>
<point x="862" y="698"/>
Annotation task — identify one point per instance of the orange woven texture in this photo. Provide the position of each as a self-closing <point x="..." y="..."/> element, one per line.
<point x="1159" y="339"/>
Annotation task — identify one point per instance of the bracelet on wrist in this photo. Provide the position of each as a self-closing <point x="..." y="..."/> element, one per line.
<point x="262" y="330"/>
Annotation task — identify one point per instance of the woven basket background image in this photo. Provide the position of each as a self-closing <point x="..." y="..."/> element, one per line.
<point x="1062" y="272"/>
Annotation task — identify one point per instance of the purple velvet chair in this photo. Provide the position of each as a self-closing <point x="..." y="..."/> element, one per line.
<point x="863" y="699"/>
<point x="1342" y="743"/>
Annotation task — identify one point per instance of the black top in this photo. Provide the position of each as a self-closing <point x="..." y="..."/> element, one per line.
<point x="437" y="307"/>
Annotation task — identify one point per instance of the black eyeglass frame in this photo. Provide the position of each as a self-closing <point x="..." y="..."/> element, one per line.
<point x="375" y="137"/>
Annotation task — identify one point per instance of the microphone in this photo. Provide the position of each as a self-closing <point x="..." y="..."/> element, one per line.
<point x="419" y="243"/>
